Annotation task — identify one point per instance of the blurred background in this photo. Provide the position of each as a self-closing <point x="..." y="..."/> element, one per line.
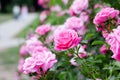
<point x="16" y="16"/>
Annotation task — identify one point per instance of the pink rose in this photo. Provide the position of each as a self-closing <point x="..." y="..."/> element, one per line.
<point x="20" y="65"/>
<point x="42" y="2"/>
<point x="103" y="16"/>
<point x="49" y="39"/>
<point x="62" y="13"/>
<point x="103" y="49"/>
<point x="98" y="79"/>
<point x="117" y="33"/>
<point x="84" y="17"/>
<point x="43" y="16"/>
<point x="43" y="61"/>
<point x="71" y="12"/>
<point x="23" y="51"/>
<point x="65" y="1"/>
<point x="78" y="6"/>
<point x="84" y="46"/>
<point x="43" y="29"/>
<point x="47" y="58"/>
<point x="32" y="36"/>
<point x="56" y="8"/>
<point x="31" y="45"/>
<point x="97" y="6"/>
<point x="38" y="49"/>
<point x="34" y="46"/>
<point x="69" y="55"/>
<point x="66" y="39"/>
<point x="82" y="55"/>
<point x="76" y="24"/>
<point x="72" y="61"/>
<point x="29" y="66"/>
<point x="82" y="50"/>
<point x="105" y="33"/>
<point x="114" y="41"/>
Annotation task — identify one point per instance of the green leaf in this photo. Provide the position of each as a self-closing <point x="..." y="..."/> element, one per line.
<point x="88" y="36"/>
<point x="117" y="63"/>
<point x="98" y="42"/>
<point x="62" y="76"/>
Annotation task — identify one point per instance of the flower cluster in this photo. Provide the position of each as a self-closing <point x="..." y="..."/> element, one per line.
<point x="106" y="21"/>
<point x="105" y="16"/>
<point x="39" y="63"/>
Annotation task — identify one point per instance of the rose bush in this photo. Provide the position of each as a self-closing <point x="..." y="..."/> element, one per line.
<point x="67" y="46"/>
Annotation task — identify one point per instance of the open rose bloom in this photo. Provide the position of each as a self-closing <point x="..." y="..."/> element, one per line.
<point x="43" y="29"/>
<point x="44" y="61"/>
<point x="78" y="6"/>
<point x="76" y="24"/>
<point x="113" y="39"/>
<point x="66" y="39"/>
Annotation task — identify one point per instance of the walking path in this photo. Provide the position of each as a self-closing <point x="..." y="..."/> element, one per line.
<point x="9" y="29"/>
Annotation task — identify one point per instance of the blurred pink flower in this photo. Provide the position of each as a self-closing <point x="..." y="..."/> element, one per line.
<point x="97" y="6"/>
<point x="72" y="61"/>
<point x="98" y="79"/>
<point x="104" y="33"/>
<point x="65" y="1"/>
<point x="84" y="17"/>
<point x="76" y="24"/>
<point x="29" y="66"/>
<point x="20" y="65"/>
<point x="58" y="29"/>
<point x="23" y="50"/>
<point x="103" y="49"/>
<point x="71" y="12"/>
<point x="43" y="2"/>
<point x="66" y="39"/>
<point x="39" y="49"/>
<point x="40" y="2"/>
<point x="56" y="8"/>
<point x="113" y="39"/>
<point x="39" y="63"/>
<point x="35" y="77"/>
<point x="32" y="36"/>
<point x="118" y="21"/>
<point x="78" y="6"/>
<point x="31" y="45"/>
<point x="43" y="16"/>
<point x="43" y="29"/>
<point x="61" y="13"/>
<point x="84" y="46"/>
<point x="103" y="16"/>
<point x="49" y="39"/>
<point x="82" y="55"/>
<point x="69" y="55"/>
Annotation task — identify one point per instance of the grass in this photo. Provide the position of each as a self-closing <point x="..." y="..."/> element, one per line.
<point x="5" y="17"/>
<point x="9" y="57"/>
